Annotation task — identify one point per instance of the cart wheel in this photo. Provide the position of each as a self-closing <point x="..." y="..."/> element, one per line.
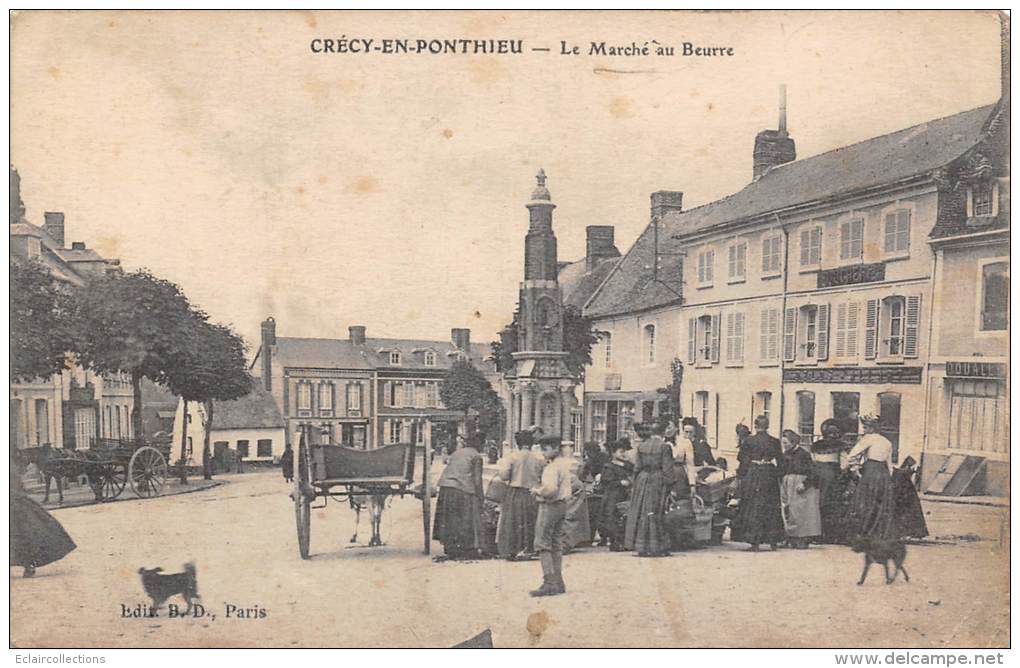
<point x="303" y="495"/>
<point x="147" y="472"/>
<point x="113" y="482"/>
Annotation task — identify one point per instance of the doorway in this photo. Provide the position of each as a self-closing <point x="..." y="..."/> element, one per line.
<point x="846" y="411"/>
<point x="889" y="420"/>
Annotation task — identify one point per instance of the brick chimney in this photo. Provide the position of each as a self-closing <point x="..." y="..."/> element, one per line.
<point x="600" y="245"/>
<point x="461" y="339"/>
<point x="774" y="147"/>
<point x="356" y="334"/>
<point x="268" y="347"/>
<point x="17" y="205"/>
<point x="666" y="200"/>
<point x="53" y="225"/>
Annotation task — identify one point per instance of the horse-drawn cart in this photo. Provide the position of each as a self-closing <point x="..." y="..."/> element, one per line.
<point x="109" y="466"/>
<point x="337" y="472"/>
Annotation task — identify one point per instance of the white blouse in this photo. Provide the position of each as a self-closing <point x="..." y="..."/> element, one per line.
<point x="875" y="447"/>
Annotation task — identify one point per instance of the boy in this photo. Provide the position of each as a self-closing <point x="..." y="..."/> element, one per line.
<point x="552" y="496"/>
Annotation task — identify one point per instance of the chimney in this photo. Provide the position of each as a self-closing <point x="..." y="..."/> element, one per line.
<point x="357" y="334"/>
<point x="600" y="245"/>
<point x="461" y="339"/>
<point x="53" y="225"/>
<point x="666" y="200"/>
<point x="17" y="206"/>
<point x="77" y="245"/>
<point x="268" y="344"/>
<point x="774" y="147"/>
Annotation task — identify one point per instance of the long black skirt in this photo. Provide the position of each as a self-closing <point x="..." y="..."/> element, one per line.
<point x="830" y="489"/>
<point x="458" y="524"/>
<point x="37" y="538"/>
<point x="760" y="519"/>
<point x="909" y="515"/>
<point x="516" y="530"/>
<point x="874" y="504"/>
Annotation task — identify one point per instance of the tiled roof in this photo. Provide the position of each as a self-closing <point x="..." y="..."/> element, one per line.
<point x="257" y="410"/>
<point x="579" y="285"/>
<point x="374" y="354"/>
<point x="875" y="162"/>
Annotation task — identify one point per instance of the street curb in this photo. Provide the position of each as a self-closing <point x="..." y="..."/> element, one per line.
<point x="961" y="502"/>
<point x="215" y="483"/>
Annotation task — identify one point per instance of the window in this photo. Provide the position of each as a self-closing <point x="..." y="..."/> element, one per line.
<point x="353" y="397"/>
<point x="846" y="407"/>
<point x="607" y="340"/>
<point x="847" y="316"/>
<point x="242" y="449"/>
<point x="325" y="434"/>
<point x="408" y="394"/>
<point x="432" y="395"/>
<point x="42" y="422"/>
<point x="396" y="431"/>
<point x="811" y="247"/>
<point x="769" y="328"/>
<point x="304" y="397"/>
<point x="735" y="337"/>
<point x="649" y="340"/>
<point x="598" y="421"/>
<point x="703" y="339"/>
<point x="893" y="342"/>
<point x="430" y="358"/>
<point x="897" y="232"/>
<point x="264" y="447"/>
<point x="700" y="407"/>
<point x="394" y="358"/>
<point x="851" y="240"/>
<point x="995" y="297"/>
<point x="738" y="262"/>
<point x="771" y="256"/>
<point x="982" y="197"/>
<point x="419" y="395"/>
<point x="706" y="262"/>
<point x="892" y="327"/>
<point x="394" y="394"/>
<point x="326" y="399"/>
<point x="812" y="330"/>
<point x="806" y="416"/>
<point x="762" y="404"/>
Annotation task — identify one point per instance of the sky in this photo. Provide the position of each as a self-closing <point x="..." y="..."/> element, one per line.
<point x="388" y="190"/>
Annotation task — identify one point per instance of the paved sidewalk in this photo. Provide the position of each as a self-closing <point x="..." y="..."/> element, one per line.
<point x="81" y="495"/>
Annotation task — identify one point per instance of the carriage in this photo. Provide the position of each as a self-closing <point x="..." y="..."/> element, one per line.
<point x="325" y="471"/>
<point x="109" y="465"/>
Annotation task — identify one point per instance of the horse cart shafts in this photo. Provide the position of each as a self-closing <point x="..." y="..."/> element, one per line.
<point x="110" y="466"/>
<point x="323" y="472"/>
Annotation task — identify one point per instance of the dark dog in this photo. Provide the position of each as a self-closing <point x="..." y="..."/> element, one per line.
<point x="881" y="552"/>
<point x="160" y="587"/>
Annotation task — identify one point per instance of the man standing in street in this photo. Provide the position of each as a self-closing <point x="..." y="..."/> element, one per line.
<point x="552" y="495"/>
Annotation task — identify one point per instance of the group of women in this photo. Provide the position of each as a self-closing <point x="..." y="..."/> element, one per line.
<point x="786" y="492"/>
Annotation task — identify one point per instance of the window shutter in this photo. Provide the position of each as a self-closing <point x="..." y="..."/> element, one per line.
<point x="730" y="322"/>
<point x="852" y="310"/>
<point x="871" y="330"/>
<point x="738" y="333"/>
<point x="904" y="226"/>
<point x="790" y="335"/>
<point x="409" y="394"/>
<point x="890" y="232"/>
<point x="912" y="326"/>
<point x="710" y="266"/>
<point x="763" y="354"/>
<point x="716" y="332"/>
<point x="313" y="398"/>
<point x="348" y="388"/>
<point x="823" y="332"/>
<point x="805" y="247"/>
<point x="386" y="394"/>
<point x="360" y="389"/>
<point x="841" y="330"/>
<point x="692" y="340"/>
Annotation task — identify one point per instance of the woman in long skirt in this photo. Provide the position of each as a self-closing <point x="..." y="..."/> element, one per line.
<point x="760" y="517"/>
<point x="874" y="505"/>
<point x="36" y="538"/>
<point x="646" y="529"/>
<point x="458" y="524"/>
<point x="909" y="516"/>
<point x="743" y="465"/>
<point x="826" y="452"/>
<point x="615" y="483"/>
<point x="522" y="470"/>
<point x="799" y="493"/>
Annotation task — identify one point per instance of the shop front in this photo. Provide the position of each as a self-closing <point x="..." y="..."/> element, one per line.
<point x="610" y="415"/>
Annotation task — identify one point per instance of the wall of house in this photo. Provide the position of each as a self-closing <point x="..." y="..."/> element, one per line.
<point x="196" y="435"/>
<point x="959" y="297"/>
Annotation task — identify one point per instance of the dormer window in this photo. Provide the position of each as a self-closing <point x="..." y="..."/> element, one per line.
<point x="982" y="199"/>
<point x="394" y="358"/>
<point x="430" y="358"/>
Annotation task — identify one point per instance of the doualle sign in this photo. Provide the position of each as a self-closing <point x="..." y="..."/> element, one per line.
<point x="975" y="370"/>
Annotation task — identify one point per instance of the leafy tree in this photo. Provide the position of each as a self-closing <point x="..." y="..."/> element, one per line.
<point x="578" y="338"/>
<point x="465" y="389"/>
<point x="41" y="312"/>
<point x="134" y="323"/>
<point x="672" y="391"/>
<point x="212" y="368"/>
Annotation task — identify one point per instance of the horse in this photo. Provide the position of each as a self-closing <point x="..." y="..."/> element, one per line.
<point x="375" y="504"/>
<point x="52" y="466"/>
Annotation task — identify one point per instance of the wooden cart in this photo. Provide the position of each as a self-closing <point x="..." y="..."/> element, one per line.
<point x="323" y="472"/>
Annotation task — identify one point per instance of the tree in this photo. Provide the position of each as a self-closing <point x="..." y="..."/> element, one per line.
<point x="42" y="332"/>
<point x="134" y="323"/>
<point x="212" y="368"/>
<point x="465" y="389"/>
<point x="578" y="338"/>
<point x="672" y="391"/>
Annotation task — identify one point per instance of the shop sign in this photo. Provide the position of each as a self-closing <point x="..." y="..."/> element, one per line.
<point x="852" y="275"/>
<point x="975" y="370"/>
<point x="856" y="375"/>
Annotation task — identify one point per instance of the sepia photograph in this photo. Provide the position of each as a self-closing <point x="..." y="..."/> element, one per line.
<point x="510" y="329"/>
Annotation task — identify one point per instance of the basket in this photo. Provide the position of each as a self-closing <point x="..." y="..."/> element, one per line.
<point x="714" y="492"/>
